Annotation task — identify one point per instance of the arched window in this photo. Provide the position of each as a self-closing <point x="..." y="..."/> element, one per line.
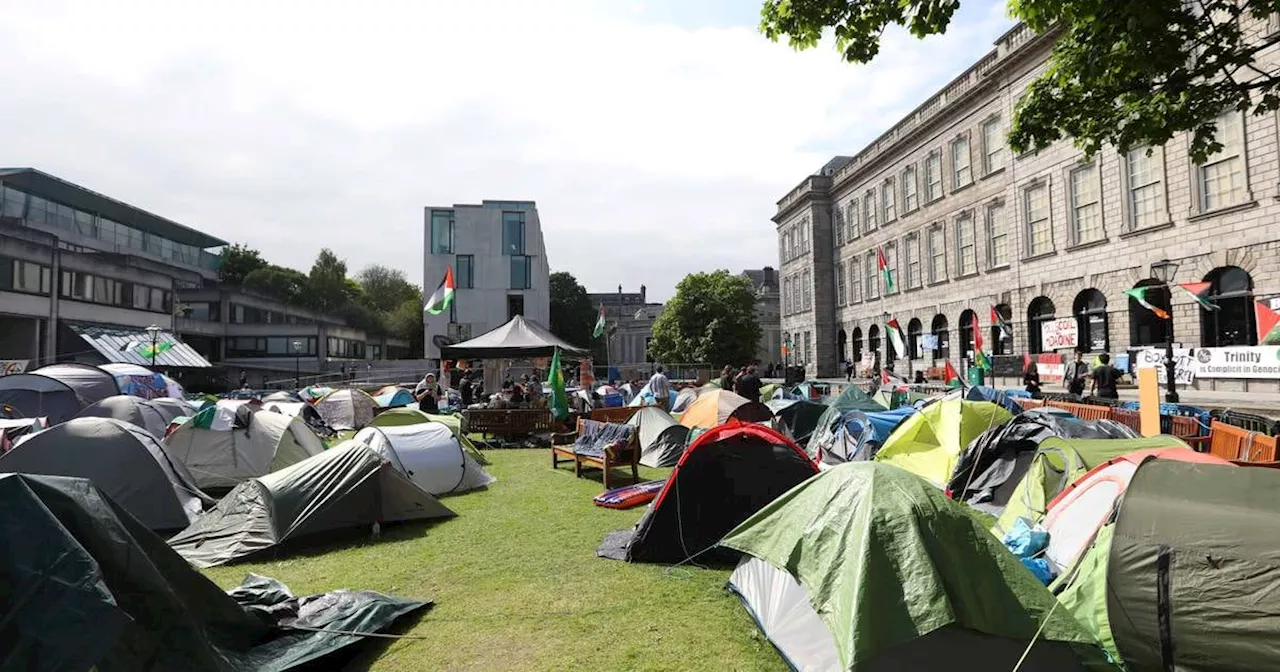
<point x="914" y="329"/>
<point x="1145" y="328"/>
<point x="842" y="339"/>
<point x="873" y="340"/>
<point x="966" y="335"/>
<point x="1040" y="311"/>
<point x="1001" y="340"/>
<point x="939" y="329"/>
<point x="857" y="345"/>
<point x="1231" y="289"/>
<point x="1090" y="309"/>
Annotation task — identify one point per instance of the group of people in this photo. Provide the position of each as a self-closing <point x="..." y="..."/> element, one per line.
<point x="745" y="382"/>
<point x="1102" y="379"/>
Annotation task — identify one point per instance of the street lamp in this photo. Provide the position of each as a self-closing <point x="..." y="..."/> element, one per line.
<point x="1164" y="271"/>
<point x="297" y="345"/>
<point x="154" y="331"/>
<point x="884" y="336"/>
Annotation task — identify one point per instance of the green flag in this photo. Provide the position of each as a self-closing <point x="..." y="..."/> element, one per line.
<point x="555" y="378"/>
<point x="599" y="330"/>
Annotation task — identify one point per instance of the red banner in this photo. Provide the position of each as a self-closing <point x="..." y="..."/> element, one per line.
<point x="1051" y="368"/>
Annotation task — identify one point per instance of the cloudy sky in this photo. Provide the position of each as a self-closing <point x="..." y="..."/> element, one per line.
<point x="656" y="137"/>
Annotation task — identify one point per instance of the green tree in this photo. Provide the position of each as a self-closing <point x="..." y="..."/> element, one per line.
<point x="572" y="316"/>
<point x="1126" y="74"/>
<point x="711" y="319"/>
<point x="385" y="288"/>
<point x="406" y="322"/>
<point x="282" y="283"/>
<point x="327" y="286"/>
<point x="237" y="262"/>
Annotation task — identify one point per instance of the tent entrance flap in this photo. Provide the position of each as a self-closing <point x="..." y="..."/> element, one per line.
<point x="129" y="345"/>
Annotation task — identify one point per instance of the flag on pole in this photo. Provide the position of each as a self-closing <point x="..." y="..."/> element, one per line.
<point x="443" y="296"/>
<point x="1268" y="323"/>
<point x="883" y="266"/>
<point x="950" y="376"/>
<point x="147" y="349"/>
<point x="1139" y="294"/>
<point x="559" y="403"/>
<point x="895" y="337"/>
<point x="1200" y="292"/>
<point x="1026" y="362"/>
<point x="998" y="320"/>
<point x="599" y="330"/>
<point x="980" y="358"/>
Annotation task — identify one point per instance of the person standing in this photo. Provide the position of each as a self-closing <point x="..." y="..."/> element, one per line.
<point x="660" y="388"/>
<point x="749" y="384"/>
<point x="726" y="378"/>
<point x="1105" y="378"/>
<point x="1077" y="375"/>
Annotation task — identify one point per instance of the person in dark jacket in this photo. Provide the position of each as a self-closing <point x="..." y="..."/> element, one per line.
<point x="1032" y="380"/>
<point x="749" y="384"/>
<point x="726" y="378"/>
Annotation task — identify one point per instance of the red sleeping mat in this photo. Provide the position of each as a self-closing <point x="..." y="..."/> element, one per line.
<point x="629" y="496"/>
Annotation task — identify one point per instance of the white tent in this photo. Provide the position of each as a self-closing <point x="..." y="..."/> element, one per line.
<point x="346" y="409"/>
<point x="221" y="450"/>
<point x="429" y="454"/>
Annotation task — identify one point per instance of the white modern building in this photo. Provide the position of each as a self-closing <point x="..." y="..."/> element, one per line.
<point x="499" y="263"/>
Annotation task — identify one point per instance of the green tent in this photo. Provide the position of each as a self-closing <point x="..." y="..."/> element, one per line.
<point x="1059" y="462"/>
<point x="766" y="392"/>
<point x="850" y="399"/>
<point x="867" y="567"/>
<point x="1184" y="575"/>
<point x="929" y="442"/>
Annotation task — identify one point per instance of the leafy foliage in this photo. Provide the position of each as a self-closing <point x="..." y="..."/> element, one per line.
<point x="237" y="262"/>
<point x="282" y="283"/>
<point x="572" y="316"/>
<point x="327" y="288"/>
<point x="711" y="319"/>
<point x="1124" y="74"/>
<point x="385" y="289"/>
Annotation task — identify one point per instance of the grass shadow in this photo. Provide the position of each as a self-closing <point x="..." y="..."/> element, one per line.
<point x="317" y="545"/>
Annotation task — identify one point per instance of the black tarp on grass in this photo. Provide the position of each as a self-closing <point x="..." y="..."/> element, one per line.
<point x="84" y="585"/>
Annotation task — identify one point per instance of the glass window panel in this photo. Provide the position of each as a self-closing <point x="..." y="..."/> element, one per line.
<point x="961" y="172"/>
<point x="1039" y="233"/>
<point x="888" y="201"/>
<point x="513" y="233"/>
<point x="14" y="203"/>
<point x="993" y="146"/>
<point x="1086" y="204"/>
<point x="933" y="177"/>
<point x="997" y="237"/>
<point x="910" y="199"/>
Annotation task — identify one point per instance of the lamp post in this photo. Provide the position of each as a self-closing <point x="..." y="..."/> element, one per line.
<point x="154" y="332"/>
<point x="884" y="336"/>
<point x="297" y="345"/>
<point x="1164" y="271"/>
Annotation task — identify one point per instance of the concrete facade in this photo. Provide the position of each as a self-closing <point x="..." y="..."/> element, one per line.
<point x="768" y="316"/>
<point x="967" y="226"/>
<point x="498" y="275"/>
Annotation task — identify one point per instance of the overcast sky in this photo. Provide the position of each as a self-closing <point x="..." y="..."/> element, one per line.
<point x="655" y="137"/>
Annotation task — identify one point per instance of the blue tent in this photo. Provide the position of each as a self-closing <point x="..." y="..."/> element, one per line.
<point x="861" y="433"/>
<point x="997" y="397"/>
<point x="397" y="397"/>
<point x="645" y="398"/>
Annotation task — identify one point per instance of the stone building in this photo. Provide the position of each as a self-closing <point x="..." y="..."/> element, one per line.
<point x="1045" y="238"/>
<point x="768" y="315"/>
<point x="630" y="318"/>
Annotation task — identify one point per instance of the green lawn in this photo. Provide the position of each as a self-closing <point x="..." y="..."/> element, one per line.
<point x="517" y="585"/>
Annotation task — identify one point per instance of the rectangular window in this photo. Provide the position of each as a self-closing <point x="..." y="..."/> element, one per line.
<point x="888" y="201"/>
<point x="1222" y="177"/>
<point x="869" y="269"/>
<point x="442" y="232"/>
<point x="521" y="272"/>
<point x="1086" y="204"/>
<point x="961" y="169"/>
<point x="855" y="281"/>
<point x="992" y="146"/>
<point x="465" y="271"/>
<point x="838" y="225"/>
<point x="869" y="210"/>
<point x="840" y="295"/>
<point x="1144" y="181"/>
<point x="933" y="177"/>
<point x="891" y="263"/>
<point x="1035" y="205"/>
<point x="966" y="246"/>
<point x="997" y="236"/>
<point x="911" y="253"/>
<point x="513" y="233"/>
<point x="157" y="300"/>
<point x="141" y="297"/>
<point x="937" y="254"/>
<point x="13" y="203"/>
<point x="910" y="195"/>
<point x="808" y="294"/>
<point x="30" y="278"/>
<point x="852" y="214"/>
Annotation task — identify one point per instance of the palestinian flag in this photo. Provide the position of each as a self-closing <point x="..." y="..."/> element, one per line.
<point x="1200" y="292"/>
<point x="1026" y="362"/>
<point x="599" y="330"/>
<point x="998" y="320"/>
<point x="1139" y="294"/>
<point x="895" y="337"/>
<point x="443" y="296"/>
<point x="559" y="402"/>
<point x="883" y="266"/>
<point x="1268" y="322"/>
<point x="980" y="358"/>
<point x="950" y="376"/>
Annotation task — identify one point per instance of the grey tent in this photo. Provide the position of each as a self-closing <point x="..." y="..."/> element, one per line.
<point x="347" y="486"/>
<point x="36" y="396"/>
<point x="517" y="338"/>
<point x="94" y="589"/>
<point x="797" y="417"/>
<point x="151" y="415"/>
<point x="123" y="460"/>
<point x="662" y="439"/>
<point x="90" y="383"/>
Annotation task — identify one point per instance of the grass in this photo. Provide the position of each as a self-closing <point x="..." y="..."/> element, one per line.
<point x="517" y="585"/>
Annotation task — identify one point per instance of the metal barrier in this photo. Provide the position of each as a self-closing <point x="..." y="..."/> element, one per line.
<point x="1249" y="421"/>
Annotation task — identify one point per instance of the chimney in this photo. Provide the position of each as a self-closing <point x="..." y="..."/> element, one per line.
<point x="641" y="293"/>
<point x="769" y="280"/>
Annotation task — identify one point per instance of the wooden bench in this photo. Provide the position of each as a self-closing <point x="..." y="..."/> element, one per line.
<point x="1083" y="411"/>
<point x="1241" y="445"/>
<point x="617" y="415"/>
<point x="613" y="456"/>
<point x="507" y="423"/>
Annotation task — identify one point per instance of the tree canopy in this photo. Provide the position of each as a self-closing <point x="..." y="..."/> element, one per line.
<point x="385" y="288"/>
<point x="1124" y="74"/>
<point x="237" y="262"/>
<point x="711" y="319"/>
<point x="572" y="316"/>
